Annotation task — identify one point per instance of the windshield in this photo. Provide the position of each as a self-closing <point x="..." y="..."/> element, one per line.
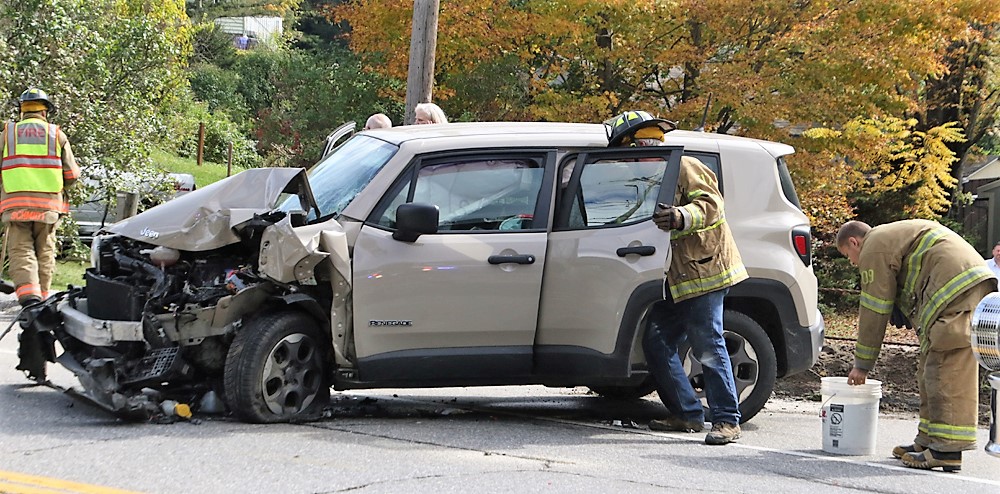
<point x="341" y="175"/>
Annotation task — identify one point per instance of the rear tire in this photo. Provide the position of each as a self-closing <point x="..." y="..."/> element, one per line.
<point x="277" y="369"/>
<point x="755" y="366"/>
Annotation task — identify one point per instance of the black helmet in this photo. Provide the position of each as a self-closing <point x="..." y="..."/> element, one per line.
<point x="35" y="94"/>
<point x="625" y="125"/>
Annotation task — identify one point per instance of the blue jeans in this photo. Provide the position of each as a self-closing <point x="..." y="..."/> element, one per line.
<point x="700" y="319"/>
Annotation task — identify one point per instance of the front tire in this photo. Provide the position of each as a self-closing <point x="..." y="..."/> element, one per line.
<point x="277" y="369"/>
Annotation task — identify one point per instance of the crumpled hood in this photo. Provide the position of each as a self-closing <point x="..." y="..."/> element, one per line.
<point x="207" y="218"/>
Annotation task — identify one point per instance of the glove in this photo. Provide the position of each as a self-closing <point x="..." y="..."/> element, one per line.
<point x="898" y="319"/>
<point x="668" y="217"/>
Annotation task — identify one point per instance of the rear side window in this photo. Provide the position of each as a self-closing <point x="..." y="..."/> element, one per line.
<point x="787" y="187"/>
<point x="712" y="162"/>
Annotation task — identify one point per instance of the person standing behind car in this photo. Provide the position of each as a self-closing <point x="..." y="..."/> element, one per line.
<point x="704" y="264"/>
<point x="994" y="262"/>
<point x="378" y="121"/>
<point x="936" y="279"/>
<point x="38" y="165"/>
<point x="428" y="113"/>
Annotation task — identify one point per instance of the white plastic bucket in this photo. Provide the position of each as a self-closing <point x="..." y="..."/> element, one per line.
<point x="850" y="416"/>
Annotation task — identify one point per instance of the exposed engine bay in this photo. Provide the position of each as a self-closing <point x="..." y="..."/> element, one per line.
<point x="155" y="323"/>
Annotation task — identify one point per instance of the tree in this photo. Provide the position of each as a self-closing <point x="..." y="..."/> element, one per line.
<point x="968" y="92"/>
<point x="811" y="61"/>
<point x="110" y="66"/>
<point x="772" y="66"/>
<point x="892" y="170"/>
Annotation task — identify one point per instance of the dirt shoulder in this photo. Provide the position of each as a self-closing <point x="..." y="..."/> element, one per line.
<point x="896" y="368"/>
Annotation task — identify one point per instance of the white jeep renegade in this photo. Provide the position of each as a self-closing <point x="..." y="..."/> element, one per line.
<point x="422" y="256"/>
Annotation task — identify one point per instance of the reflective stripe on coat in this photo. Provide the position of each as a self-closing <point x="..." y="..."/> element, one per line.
<point x="704" y="254"/>
<point x="921" y="267"/>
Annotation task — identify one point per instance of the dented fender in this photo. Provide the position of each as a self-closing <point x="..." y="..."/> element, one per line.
<point x="292" y="254"/>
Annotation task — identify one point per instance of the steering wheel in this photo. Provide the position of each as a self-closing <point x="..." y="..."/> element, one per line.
<point x="517" y="222"/>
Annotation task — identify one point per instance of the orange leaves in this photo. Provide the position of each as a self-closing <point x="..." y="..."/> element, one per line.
<point x="469" y="33"/>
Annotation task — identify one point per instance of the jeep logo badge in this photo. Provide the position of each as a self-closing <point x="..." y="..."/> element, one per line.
<point x="146" y="232"/>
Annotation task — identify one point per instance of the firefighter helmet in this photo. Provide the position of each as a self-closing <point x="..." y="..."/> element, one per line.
<point x="624" y="126"/>
<point x="36" y="95"/>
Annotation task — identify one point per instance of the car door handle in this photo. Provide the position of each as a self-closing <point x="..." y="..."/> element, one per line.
<point x="642" y="250"/>
<point x="523" y="259"/>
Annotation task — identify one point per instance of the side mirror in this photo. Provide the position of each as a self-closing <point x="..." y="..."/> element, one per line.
<point x="415" y="219"/>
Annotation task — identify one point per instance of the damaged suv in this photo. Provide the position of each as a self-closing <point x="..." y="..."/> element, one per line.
<point x="425" y="256"/>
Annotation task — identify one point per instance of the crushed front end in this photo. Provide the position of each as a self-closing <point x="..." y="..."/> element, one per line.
<point x="169" y="290"/>
<point x="142" y="331"/>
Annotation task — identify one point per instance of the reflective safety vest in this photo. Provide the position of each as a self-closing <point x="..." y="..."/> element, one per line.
<point x="32" y="157"/>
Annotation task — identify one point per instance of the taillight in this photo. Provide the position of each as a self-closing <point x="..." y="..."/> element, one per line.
<point x="802" y="242"/>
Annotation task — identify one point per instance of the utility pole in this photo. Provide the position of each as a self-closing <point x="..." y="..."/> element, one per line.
<point x="423" y="42"/>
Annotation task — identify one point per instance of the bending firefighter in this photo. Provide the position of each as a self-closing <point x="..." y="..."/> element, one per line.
<point x="935" y="279"/>
<point x="37" y="165"/>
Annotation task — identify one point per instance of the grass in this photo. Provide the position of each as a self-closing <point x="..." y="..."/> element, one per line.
<point x="68" y="272"/>
<point x="205" y="174"/>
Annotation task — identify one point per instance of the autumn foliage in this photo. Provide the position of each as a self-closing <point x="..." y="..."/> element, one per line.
<point x="854" y="71"/>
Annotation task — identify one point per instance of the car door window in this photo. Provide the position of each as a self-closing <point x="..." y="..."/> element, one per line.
<point x="614" y="187"/>
<point x="616" y="192"/>
<point x="495" y="193"/>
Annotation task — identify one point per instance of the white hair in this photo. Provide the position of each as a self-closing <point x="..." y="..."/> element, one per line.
<point x="434" y="111"/>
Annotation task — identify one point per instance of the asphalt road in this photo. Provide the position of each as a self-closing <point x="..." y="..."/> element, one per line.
<point x="492" y="439"/>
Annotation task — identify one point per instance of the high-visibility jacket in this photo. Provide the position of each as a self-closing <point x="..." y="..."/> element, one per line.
<point x="35" y="167"/>
<point x="704" y="254"/>
<point x="919" y="266"/>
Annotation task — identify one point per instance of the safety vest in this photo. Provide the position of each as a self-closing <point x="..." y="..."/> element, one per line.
<point x="32" y="158"/>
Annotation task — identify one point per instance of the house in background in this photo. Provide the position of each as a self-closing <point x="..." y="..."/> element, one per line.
<point x="982" y="217"/>
<point x="250" y="31"/>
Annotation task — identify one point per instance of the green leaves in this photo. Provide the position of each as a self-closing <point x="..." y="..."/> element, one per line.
<point x="108" y="64"/>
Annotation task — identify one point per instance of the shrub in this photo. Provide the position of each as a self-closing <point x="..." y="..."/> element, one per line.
<point x="315" y="92"/>
<point x="212" y="46"/>
<point x="217" y="88"/>
<point x="181" y="135"/>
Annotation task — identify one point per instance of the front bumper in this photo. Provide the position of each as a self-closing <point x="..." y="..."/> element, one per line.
<point x="97" y="332"/>
<point x="993" y="447"/>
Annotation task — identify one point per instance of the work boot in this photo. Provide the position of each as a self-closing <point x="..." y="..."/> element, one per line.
<point x="901" y="450"/>
<point x="676" y="424"/>
<point x="723" y="433"/>
<point x="28" y="301"/>
<point x="928" y="459"/>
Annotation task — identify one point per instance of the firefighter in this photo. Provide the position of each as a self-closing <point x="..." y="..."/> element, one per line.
<point x="703" y="265"/>
<point x="935" y="279"/>
<point x="37" y="165"/>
